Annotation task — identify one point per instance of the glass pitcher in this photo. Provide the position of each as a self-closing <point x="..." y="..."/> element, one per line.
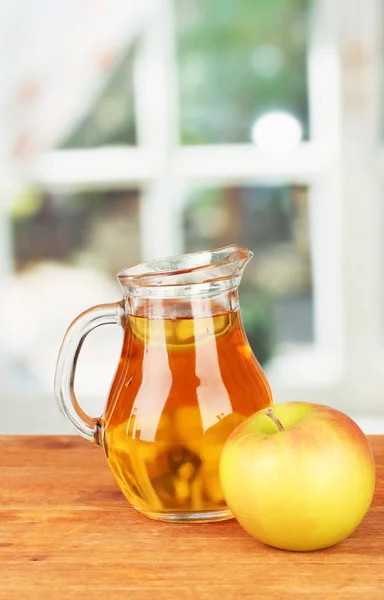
<point x="186" y="378"/>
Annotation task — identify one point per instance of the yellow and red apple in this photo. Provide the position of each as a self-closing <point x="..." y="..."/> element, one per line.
<point x="299" y="476"/>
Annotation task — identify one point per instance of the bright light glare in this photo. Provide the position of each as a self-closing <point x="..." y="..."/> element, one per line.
<point x="277" y="132"/>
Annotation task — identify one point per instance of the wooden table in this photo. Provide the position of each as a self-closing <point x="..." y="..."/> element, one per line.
<point x="67" y="532"/>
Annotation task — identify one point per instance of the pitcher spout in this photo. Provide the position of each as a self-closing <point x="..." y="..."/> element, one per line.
<point x="187" y="274"/>
<point x="230" y="261"/>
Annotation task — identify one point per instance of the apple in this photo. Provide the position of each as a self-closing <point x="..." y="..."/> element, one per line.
<point x="298" y="476"/>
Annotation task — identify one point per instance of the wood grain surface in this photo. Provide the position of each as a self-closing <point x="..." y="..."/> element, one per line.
<point x="66" y="532"/>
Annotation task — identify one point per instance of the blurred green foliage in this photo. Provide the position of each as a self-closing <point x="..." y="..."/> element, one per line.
<point x="257" y="321"/>
<point x="237" y="60"/>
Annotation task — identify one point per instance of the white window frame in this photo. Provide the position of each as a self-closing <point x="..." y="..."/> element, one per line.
<point x="342" y="164"/>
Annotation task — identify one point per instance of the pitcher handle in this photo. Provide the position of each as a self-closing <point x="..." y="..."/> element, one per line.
<point x="103" y="314"/>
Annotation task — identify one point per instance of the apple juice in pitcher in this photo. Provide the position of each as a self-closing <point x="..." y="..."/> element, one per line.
<point x="186" y="378"/>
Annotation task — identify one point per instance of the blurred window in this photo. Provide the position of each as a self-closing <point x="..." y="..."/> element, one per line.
<point x="244" y="121"/>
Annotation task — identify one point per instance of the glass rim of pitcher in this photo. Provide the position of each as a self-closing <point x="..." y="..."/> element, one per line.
<point x="219" y="269"/>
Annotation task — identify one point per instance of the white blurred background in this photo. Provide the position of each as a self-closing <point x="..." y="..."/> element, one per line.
<point x="132" y="130"/>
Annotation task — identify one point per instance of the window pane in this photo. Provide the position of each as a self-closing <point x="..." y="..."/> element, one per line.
<point x="276" y="291"/>
<point x="110" y="121"/>
<point x="95" y="229"/>
<point x="67" y="249"/>
<point x="238" y="60"/>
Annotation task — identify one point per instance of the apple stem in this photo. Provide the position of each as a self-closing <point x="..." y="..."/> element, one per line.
<point x="269" y="412"/>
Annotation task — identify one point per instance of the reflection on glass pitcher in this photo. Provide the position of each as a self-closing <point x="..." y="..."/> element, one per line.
<point x="186" y="378"/>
